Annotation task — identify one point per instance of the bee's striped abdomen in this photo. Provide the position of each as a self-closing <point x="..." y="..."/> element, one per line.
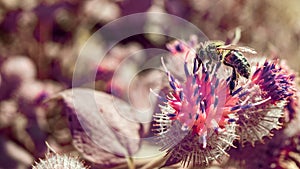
<point x="239" y="62"/>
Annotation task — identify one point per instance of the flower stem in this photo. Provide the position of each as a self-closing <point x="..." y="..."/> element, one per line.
<point x="130" y="162"/>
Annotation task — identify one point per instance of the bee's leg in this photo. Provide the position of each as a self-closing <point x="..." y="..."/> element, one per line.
<point x="233" y="78"/>
<point x="197" y="63"/>
<point x="209" y="64"/>
<point x="232" y="81"/>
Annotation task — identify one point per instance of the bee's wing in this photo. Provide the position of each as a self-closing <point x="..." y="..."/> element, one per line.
<point x="242" y="49"/>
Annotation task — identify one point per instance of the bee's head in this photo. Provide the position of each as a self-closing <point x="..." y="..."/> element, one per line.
<point x="208" y="50"/>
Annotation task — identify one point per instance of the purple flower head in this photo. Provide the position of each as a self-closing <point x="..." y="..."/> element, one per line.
<point x="274" y="81"/>
<point x="262" y="101"/>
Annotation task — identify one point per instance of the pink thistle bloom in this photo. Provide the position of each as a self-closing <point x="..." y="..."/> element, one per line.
<point x="201" y="108"/>
<point x="196" y="102"/>
<point x="200" y="103"/>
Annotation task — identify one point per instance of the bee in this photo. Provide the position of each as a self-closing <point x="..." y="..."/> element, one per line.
<point x="230" y="55"/>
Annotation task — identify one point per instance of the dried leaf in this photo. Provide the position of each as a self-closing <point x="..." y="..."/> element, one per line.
<point x="104" y="129"/>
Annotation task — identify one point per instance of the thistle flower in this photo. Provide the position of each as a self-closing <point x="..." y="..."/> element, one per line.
<point x="200" y="108"/>
<point x="56" y="161"/>
<point x="262" y="101"/>
<point x="59" y="162"/>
